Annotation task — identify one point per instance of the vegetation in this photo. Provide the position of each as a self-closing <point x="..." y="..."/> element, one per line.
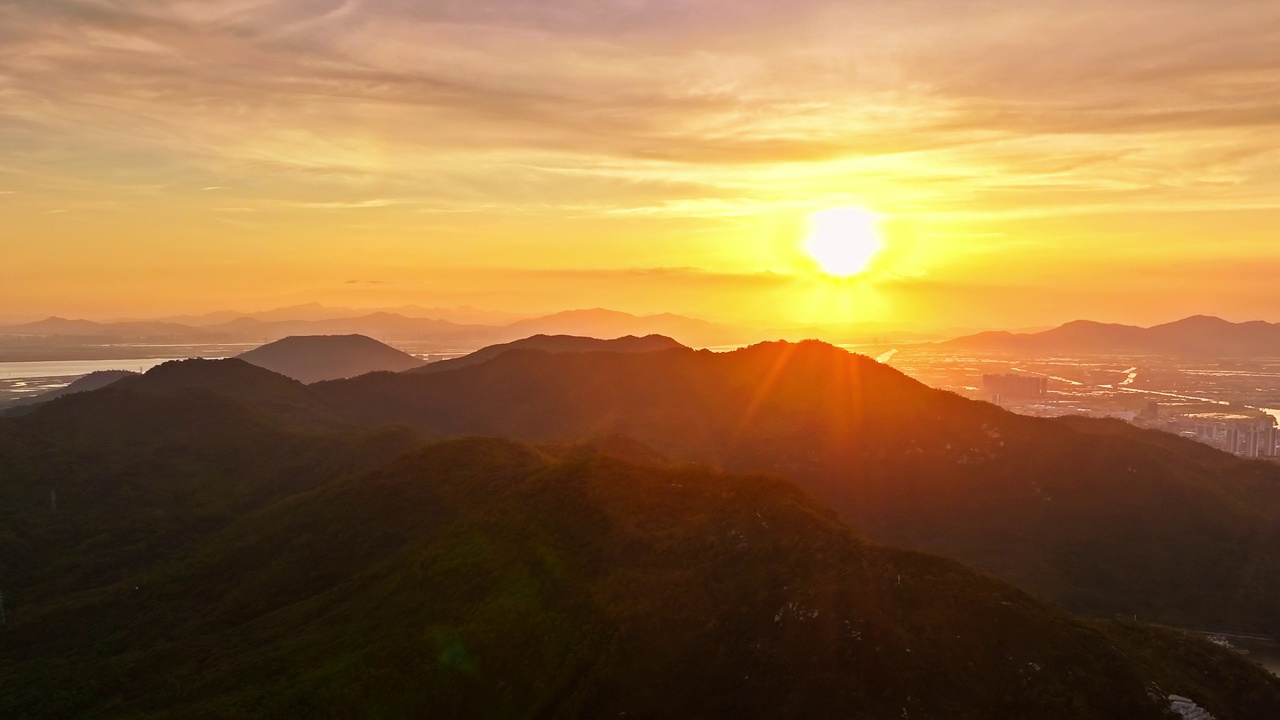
<point x="211" y="540"/>
<point x="268" y="571"/>
<point x="1099" y="516"/>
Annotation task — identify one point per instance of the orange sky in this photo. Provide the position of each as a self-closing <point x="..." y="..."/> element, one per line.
<point x="1033" y="162"/>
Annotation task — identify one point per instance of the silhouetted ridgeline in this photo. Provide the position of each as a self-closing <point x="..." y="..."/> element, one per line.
<point x="557" y="344"/>
<point x="1098" y="515"/>
<point x="1199" y="336"/>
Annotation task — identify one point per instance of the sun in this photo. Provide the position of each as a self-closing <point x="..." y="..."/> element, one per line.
<point x="843" y="241"/>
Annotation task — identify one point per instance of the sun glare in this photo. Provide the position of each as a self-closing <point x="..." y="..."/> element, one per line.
<point x="843" y="241"/>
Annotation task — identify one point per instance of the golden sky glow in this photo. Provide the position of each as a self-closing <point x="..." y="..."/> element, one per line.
<point x="1032" y="162"/>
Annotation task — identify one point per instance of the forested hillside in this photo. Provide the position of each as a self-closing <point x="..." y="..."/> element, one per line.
<point x="286" y="574"/>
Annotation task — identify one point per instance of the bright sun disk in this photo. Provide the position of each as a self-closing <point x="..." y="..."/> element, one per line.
<point x="843" y="241"/>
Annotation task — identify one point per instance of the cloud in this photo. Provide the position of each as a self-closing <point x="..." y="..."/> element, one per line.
<point x="674" y="82"/>
<point x="347" y="204"/>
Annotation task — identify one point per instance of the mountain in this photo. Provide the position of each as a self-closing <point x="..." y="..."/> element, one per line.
<point x="1198" y="336"/>
<point x="557" y="344"/>
<point x="92" y="381"/>
<point x="1097" y="515"/>
<point x="309" y="359"/>
<point x="98" y="486"/>
<point x="385" y="326"/>
<point x="600" y="323"/>
<point x="57" y="326"/>
<point x="271" y="396"/>
<point x="231" y="565"/>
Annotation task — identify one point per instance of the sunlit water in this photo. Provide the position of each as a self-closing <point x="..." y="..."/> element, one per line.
<point x="1261" y="651"/>
<point x="1266" y="654"/>
<point x="20" y="380"/>
<point x="72" y="368"/>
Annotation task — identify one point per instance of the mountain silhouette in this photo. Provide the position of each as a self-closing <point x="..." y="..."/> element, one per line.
<point x="602" y="323"/>
<point x="1091" y="513"/>
<point x="1096" y="515"/>
<point x="409" y="323"/>
<point x="556" y="344"/>
<point x="1198" y="336"/>
<point x="309" y="359"/>
<point x="57" y="326"/>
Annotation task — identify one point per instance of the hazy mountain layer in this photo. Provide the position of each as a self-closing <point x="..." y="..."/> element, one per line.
<point x="309" y="359"/>
<point x="384" y="326"/>
<point x="1198" y="336"/>
<point x="556" y="344"/>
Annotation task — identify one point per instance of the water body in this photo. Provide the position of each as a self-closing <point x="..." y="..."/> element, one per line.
<point x="72" y="368"/>
<point x="21" y="380"/>
<point x="1264" y="652"/>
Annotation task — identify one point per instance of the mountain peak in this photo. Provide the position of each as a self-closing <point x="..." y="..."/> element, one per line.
<point x="1195" y="336"/>
<point x="1199" y="321"/>
<point x="224" y="374"/>
<point x="313" y="358"/>
<point x="558" y="344"/>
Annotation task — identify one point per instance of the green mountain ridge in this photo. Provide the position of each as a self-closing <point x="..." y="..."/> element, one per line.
<point x="214" y="540"/>
<point x="485" y="578"/>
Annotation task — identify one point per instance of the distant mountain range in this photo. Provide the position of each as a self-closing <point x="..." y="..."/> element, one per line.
<point x="1198" y="336"/>
<point x="212" y="539"/>
<point x="429" y="329"/>
<point x="392" y="327"/>
<point x="314" y="358"/>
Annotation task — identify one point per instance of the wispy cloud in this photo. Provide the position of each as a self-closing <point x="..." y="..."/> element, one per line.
<point x="353" y="90"/>
<point x="348" y="204"/>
